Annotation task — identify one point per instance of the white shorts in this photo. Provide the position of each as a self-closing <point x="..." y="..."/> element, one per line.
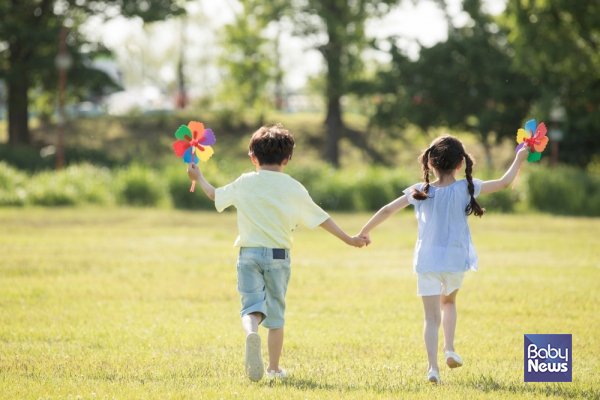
<point x="434" y="284"/>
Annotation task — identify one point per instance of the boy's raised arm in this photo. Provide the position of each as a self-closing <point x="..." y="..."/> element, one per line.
<point x="509" y="176"/>
<point x="195" y="174"/>
<point x="330" y="226"/>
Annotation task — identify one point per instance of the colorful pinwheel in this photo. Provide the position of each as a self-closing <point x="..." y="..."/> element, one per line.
<point x="535" y="141"/>
<point x="194" y="143"/>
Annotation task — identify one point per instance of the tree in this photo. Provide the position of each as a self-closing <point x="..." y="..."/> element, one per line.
<point x="249" y="58"/>
<point x="557" y="42"/>
<point x="464" y="83"/>
<point x="342" y="22"/>
<point x="29" y="30"/>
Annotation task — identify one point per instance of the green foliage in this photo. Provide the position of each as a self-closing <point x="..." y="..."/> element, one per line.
<point x="251" y="62"/>
<point x="179" y="189"/>
<point x="366" y="189"/>
<point x="556" y="43"/>
<point x="29" y="159"/>
<point x="31" y="32"/>
<point x="565" y="191"/>
<point x="464" y="83"/>
<point x="139" y="186"/>
<point x="11" y="183"/>
<point x="74" y="185"/>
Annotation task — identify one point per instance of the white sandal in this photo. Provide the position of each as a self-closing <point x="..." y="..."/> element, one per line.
<point x="453" y="360"/>
<point x="434" y="377"/>
<point x="276" y="375"/>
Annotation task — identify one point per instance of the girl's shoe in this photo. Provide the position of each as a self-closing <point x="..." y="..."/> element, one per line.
<point x="453" y="360"/>
<point x="434" y="377"/>
<point x="274" y="374"/>
<point x="254" y="363"/>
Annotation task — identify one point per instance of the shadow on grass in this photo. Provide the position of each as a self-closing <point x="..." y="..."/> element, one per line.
<point x="566" y="390"/>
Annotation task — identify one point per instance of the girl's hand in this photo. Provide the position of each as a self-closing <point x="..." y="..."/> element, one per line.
<point x="356" y="241"/>
<point x="194" y="172"/>
<point x="365" y="236"/>
<point x="523" y="153"/>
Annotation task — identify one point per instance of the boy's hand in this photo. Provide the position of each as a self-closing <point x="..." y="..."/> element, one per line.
<point x="194" y="172"/>
<point x="356" y="241"/>
<point x="365" y="236"/>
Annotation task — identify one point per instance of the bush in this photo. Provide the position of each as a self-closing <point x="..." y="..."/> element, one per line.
<point x="76" y="184"/>
<point x="179" y="189"/>
<point x="11" y="186"/>
<point x="139" y="186"/>
<point x="565" y="190"/>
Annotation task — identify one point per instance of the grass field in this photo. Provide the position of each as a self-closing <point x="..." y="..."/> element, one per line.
<point x="137" y="304"/>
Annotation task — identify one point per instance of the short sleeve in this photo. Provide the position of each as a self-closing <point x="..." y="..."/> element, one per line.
<point x="225" y="196"/>
<point x="409" y="191"/>
<point x="312" y="215"/>
<point x="477" y="186"/>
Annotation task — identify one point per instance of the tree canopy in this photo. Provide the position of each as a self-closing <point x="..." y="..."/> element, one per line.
<point x="29" y="32"/>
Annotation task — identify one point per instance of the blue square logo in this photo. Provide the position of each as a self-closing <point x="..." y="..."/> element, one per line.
<point x="548" y="358"/>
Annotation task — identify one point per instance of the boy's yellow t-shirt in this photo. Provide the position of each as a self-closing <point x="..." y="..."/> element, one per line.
<point x="269" y="205"/>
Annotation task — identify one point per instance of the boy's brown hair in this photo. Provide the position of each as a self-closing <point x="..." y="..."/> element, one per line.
<point x="271" y="144"/>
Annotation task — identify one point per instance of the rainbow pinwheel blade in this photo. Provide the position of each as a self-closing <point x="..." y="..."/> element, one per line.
<point x="204" y="153"/>
<point x="182" y="132"/>
<point x="180" y="146"/>
<point x="187" y="156"/>
<point x="207" y="138"/>
<point x="521" y="135"/>
<point x="197" y="129"/>
<point x="530" y="127"/>
<point x="539" y="147"/>
<point x="534" y="157"/>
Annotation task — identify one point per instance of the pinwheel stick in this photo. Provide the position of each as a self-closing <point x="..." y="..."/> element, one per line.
<point x="512" y="188"/>
<point x="193" y="182"/>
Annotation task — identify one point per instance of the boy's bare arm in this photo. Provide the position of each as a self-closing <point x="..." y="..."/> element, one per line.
<point x="509" y="176"/>
<point x="330" y="226"/>
<point x="195" y="174"/>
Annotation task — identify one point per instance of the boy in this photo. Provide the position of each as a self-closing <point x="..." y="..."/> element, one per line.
<point x="270" y="204"/>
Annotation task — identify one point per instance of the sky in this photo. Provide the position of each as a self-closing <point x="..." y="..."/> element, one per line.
<point x="147" y="55"/>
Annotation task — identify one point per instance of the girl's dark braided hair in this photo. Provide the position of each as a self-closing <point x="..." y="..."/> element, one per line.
<point x="445" y="154"/>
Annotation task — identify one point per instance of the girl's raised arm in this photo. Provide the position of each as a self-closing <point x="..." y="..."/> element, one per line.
<point x="509" y="176"/>
<point x="384" y="213"/>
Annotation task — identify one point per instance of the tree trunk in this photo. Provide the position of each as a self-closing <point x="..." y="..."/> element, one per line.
<point x="332" y="52"/>
<point x="335" y="128"/>
<point x="18" y="110"/>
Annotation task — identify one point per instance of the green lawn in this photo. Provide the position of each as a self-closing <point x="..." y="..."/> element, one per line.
<point x="133" y="303"/>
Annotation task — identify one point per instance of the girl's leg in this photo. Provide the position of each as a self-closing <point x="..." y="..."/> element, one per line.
<point x="448" y="305"/>
<point x="250" y="322"/>
<point x="275" y="346"/>
<point x="431" y="307"/>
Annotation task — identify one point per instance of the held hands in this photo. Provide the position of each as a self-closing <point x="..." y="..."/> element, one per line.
<point x="194" y="172"/>
<point x="356" y="241"/>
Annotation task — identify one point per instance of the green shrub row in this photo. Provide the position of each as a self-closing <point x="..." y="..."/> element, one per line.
<point x="564" y="190"/>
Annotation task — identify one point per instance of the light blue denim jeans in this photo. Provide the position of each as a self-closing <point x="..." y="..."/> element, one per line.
<point x="262" y="283"/>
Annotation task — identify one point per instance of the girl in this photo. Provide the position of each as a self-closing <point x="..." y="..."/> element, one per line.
<point x="444" y="249"/>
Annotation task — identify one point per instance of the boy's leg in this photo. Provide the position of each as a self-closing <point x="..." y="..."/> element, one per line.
<point x="275" y="347"/>
<point x="431" y="308"/>
<point x="277" y="276"/>
<point x="251" y="321"/>
<point x="448" y="305"/>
